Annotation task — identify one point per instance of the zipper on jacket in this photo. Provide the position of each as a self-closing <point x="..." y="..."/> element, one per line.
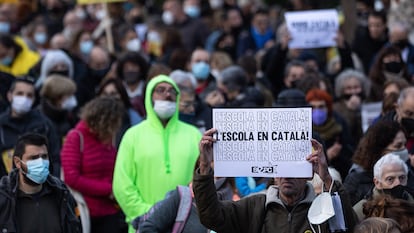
<point x="166" y="152"/>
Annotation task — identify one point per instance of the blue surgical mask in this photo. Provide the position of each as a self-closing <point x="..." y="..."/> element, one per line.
<point x="319" y="116"/>
<point x="86" y="46"/>
<point x="4" y="27"/>
<point x="201" y="70"/>
<point x="192" y="11"/>
<point x="37" y="170"/>
<point x="40" y="38"/>
<point x="6" y="61"/>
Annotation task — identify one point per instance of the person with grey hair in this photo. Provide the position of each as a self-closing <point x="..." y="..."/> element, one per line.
<point x="398" y="36"/>
<point x="192" y="110"/>
<point x="351" y="88"/>
<point x="233" y="91"/>
<point x="55" y="62"/>
<point x="403" y="114"/>
<point x="390" y="177"/>
<point x="183" y="78"/>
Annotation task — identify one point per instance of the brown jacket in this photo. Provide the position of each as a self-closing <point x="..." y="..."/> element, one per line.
<point x="261" y="212"/>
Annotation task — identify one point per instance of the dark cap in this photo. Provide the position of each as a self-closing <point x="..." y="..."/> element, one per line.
<point x="291" y="98"/>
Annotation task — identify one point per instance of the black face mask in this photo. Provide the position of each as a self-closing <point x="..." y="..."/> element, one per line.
<point x="348" y="96"/>
<point x="399" y="191"/>
<point x="401" y="44"/>
<point x="60" y="72"/>
<point x="137" y="20"/>
<point x="393" y="67"/>
<point x="131" y="77"/>
<point x="408" y="125"/>
<point x="98" y="74"/>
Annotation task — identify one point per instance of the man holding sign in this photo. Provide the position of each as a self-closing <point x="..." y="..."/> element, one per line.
<point x="284" y="208"/>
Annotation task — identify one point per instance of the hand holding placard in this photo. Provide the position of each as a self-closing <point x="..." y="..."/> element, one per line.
<point x="206" y="151"/>
<point x="319" y="163"/>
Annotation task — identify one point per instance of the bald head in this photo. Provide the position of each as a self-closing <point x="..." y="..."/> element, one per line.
<point x="59" y="41"/>
<point x="99" y="58"/>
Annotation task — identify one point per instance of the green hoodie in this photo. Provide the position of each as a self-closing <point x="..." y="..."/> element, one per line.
<point x="153" y="160"/>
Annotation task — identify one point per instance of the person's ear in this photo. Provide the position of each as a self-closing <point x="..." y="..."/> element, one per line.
<point x="17" y="162"/>
<point x="377" y="183"/>
<point x="9" y="96"/>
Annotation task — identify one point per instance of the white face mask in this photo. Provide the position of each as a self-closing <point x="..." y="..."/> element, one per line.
<point x="168" y="17"/>
<point x="100" y="14"/>
<point x="69" y="103"/>
<point x="321" y="209"/>
<point x="164" y="109"/>
<point x="133" y="45"/>
<point x="403" y="154"/>
<point x="21" y="104"/>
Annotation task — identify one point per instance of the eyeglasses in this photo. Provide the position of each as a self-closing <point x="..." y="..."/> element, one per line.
<point x="163" y="91"/>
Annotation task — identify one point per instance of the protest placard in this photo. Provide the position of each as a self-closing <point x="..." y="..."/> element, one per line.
<point x="98" y="1"/>
<point x="269" y="142"/>
<point x="369" y="112"/>
<point x="312" y="29"/>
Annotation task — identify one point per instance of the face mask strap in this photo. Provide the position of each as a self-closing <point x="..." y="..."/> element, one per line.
<point x="330" y="187"/>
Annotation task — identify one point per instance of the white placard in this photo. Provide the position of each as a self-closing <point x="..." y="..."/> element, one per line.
<point x="312" y="29"/>
<point x="266" y="142"/>
<point x="368" y="113"/>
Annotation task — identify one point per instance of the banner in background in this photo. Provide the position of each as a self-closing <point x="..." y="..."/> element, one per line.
<point x="312" y="29"/>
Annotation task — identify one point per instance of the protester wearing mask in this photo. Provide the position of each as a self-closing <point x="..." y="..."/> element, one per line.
<point x="260" y="36"/>
<point x="200" y="68"/>
<point x="398" y="36"/>
<point x="193" y="31"/>
<point x="161" y="148"/>
<point x="38" y="38"/>
<point x="57" y="102"/>
<point x="192" y="109"/>
<point x="331" y="129"/>
<point x="192" y="8"/>
<point x="388" y="65"/>
<point x="20" y="118"/>
<point x="99" y="65"/>
<point x="128" y="39"/>
<point x="31" y="178"/>
<point x="16" y="58"/>
<point x="132" y="69"/>
<point x="81" y="48"/>
<point x="390" y="177"/>
<point x="351" y="87"/>
<point x="55" y="62"/>
<point x="88" y="158"/>
<point x="115" y="88"/>
<point x="401" y="114"/>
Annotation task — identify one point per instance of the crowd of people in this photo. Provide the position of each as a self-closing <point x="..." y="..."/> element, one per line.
<point x="105" y="108"/>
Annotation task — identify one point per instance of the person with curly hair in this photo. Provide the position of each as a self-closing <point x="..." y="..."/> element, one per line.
<point x="381" y="138"/>
<point x="88" y="160"/>
<point x="386" y="206"/>
<point x="378" y="225"/>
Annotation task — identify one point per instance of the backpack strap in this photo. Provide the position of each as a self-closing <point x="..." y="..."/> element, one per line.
<point x="80" y="139"/>
<point x="184" y="208"/>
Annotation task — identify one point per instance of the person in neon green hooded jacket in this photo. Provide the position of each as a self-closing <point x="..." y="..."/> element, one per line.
<point x="156" y="155"/>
